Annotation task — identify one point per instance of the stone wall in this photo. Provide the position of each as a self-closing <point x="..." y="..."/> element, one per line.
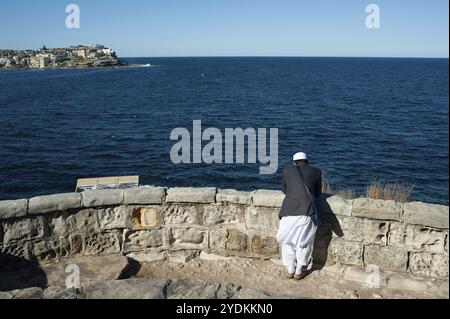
<point x="150" y="224"/>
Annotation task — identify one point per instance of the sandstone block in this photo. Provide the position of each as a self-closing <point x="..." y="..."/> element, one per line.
<point x="264" y="245"/>
<point x="102" y="244"/>
<point x="429" y="264"/>
<point x="103" y="197"/>
<point x="145" y="217"/>
<point x="234" y="197"/>
<point x="361" y="230"/>
<point x="336" y="205"/>
<point x="48" y="249"/>
<point x="92" y="269"/>
<point x="114" y="217"/>
<point x="222" y="214"/>
<point x="53" y="203"/>
<point x="189" y="238"/>
<point x="386" y="257"/>
<point x="181" y="215"/>
<point x="226" y="241"/>
<point x="84" y="221"/>
<point x="191" y="195"/>
<point x="416" y="238"/>
<point x="268" y="198"/>
<point x="22" y="229"/>
<point x="13" y="208"/>
<point x="377" y="209"/>
<point x="8" y="252"/>
<point x="142" y="240"/>
<point x="430" y="215"/>
<point x="346" y="252"/>
<point x="262" y="219"/>
<point x="144" y="195"/>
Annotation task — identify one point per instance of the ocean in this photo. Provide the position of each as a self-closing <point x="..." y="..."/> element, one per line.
<point x="358" y="119"/>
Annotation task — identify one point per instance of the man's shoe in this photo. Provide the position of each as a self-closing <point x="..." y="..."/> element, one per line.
<point x="290" y="276"/>
<point x="300" y="276"/>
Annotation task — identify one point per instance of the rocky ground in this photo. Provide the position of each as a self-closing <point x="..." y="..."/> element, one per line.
<point x="206" y="276"/>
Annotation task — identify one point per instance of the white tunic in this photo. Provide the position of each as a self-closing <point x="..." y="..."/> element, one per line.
<point x="296" y="231"/>
<point x="296" y="235"/>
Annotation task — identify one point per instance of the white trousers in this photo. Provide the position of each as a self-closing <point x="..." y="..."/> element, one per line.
<point x="296" y="237"/>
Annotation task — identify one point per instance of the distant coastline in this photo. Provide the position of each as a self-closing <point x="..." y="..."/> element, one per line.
<point x="73" y="57"/>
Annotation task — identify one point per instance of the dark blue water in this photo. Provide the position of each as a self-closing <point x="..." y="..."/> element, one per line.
<point x="358" y="119"/>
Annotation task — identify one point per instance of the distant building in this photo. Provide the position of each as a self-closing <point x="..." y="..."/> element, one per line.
<point x="80" y="53"/>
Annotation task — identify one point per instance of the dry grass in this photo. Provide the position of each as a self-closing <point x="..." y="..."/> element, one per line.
<point x="390" y="191"/>
<point x="378" y="190"/>
<point x="327" y="188"/>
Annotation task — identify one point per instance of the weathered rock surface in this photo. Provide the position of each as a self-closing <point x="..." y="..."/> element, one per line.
<point x="181" y="215"/>
<point x="182" y="256"/>
<point x="189" y="238"/>
<point x="115" y="217"/>
<point x="372" y="278"/>
<point x="103" y="197"/>
<point x="144" y="239"/>
<point x="63" y="224"/>
<point x="53" y="203"/>
<point x="148" y="256"/>
<point x="268" y="198"/>
<point x="92" y="269"/>
<point x="429" y="264"/>
<point x="232" y="196"/>
<point x="29" y="293"/>
<point x="336" y="205"/>
<point x="263" y="219"/>
<point x="102" y="244"/>
<point x="196" y="289"/>
<point x="250" y="293"/>
<point x="405" y="283"/>
<point x="430" y="215"/>
<point x="22" y="229"/>
<point x="13" y="208"/>
<point x="228" y="241"/>
<point x="346" y="252"/>
<point x="386" y="257"/>
<point x="362" y="230"/>
<point x="61" y="292"/>
<point x="223" y="214"/>
<point x="145" y="217"/>
<point x="144" y="195"/>
<point x="191" y="195"/>
<point x="417" y="238"/>
<point x="136" y="288"/>
<point x="377" y="209"/>
<point x="264" y="245"/>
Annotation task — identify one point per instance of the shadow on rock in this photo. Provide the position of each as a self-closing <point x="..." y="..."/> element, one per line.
<point x="324" y="235"/>
<point x="20" y="273"/>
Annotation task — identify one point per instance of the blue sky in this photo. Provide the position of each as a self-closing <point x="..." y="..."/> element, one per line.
<point x="409" y="28"/>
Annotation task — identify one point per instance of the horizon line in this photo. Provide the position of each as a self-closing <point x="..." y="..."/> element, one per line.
<point x="283" y="56"/>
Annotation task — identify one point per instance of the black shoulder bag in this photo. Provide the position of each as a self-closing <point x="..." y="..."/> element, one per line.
<point x="317" y="219"/>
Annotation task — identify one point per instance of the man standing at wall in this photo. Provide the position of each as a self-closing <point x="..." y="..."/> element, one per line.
<point x="302" y="185"/>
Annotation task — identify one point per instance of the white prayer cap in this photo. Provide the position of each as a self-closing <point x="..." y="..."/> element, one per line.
<point x="300" y="156"/>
